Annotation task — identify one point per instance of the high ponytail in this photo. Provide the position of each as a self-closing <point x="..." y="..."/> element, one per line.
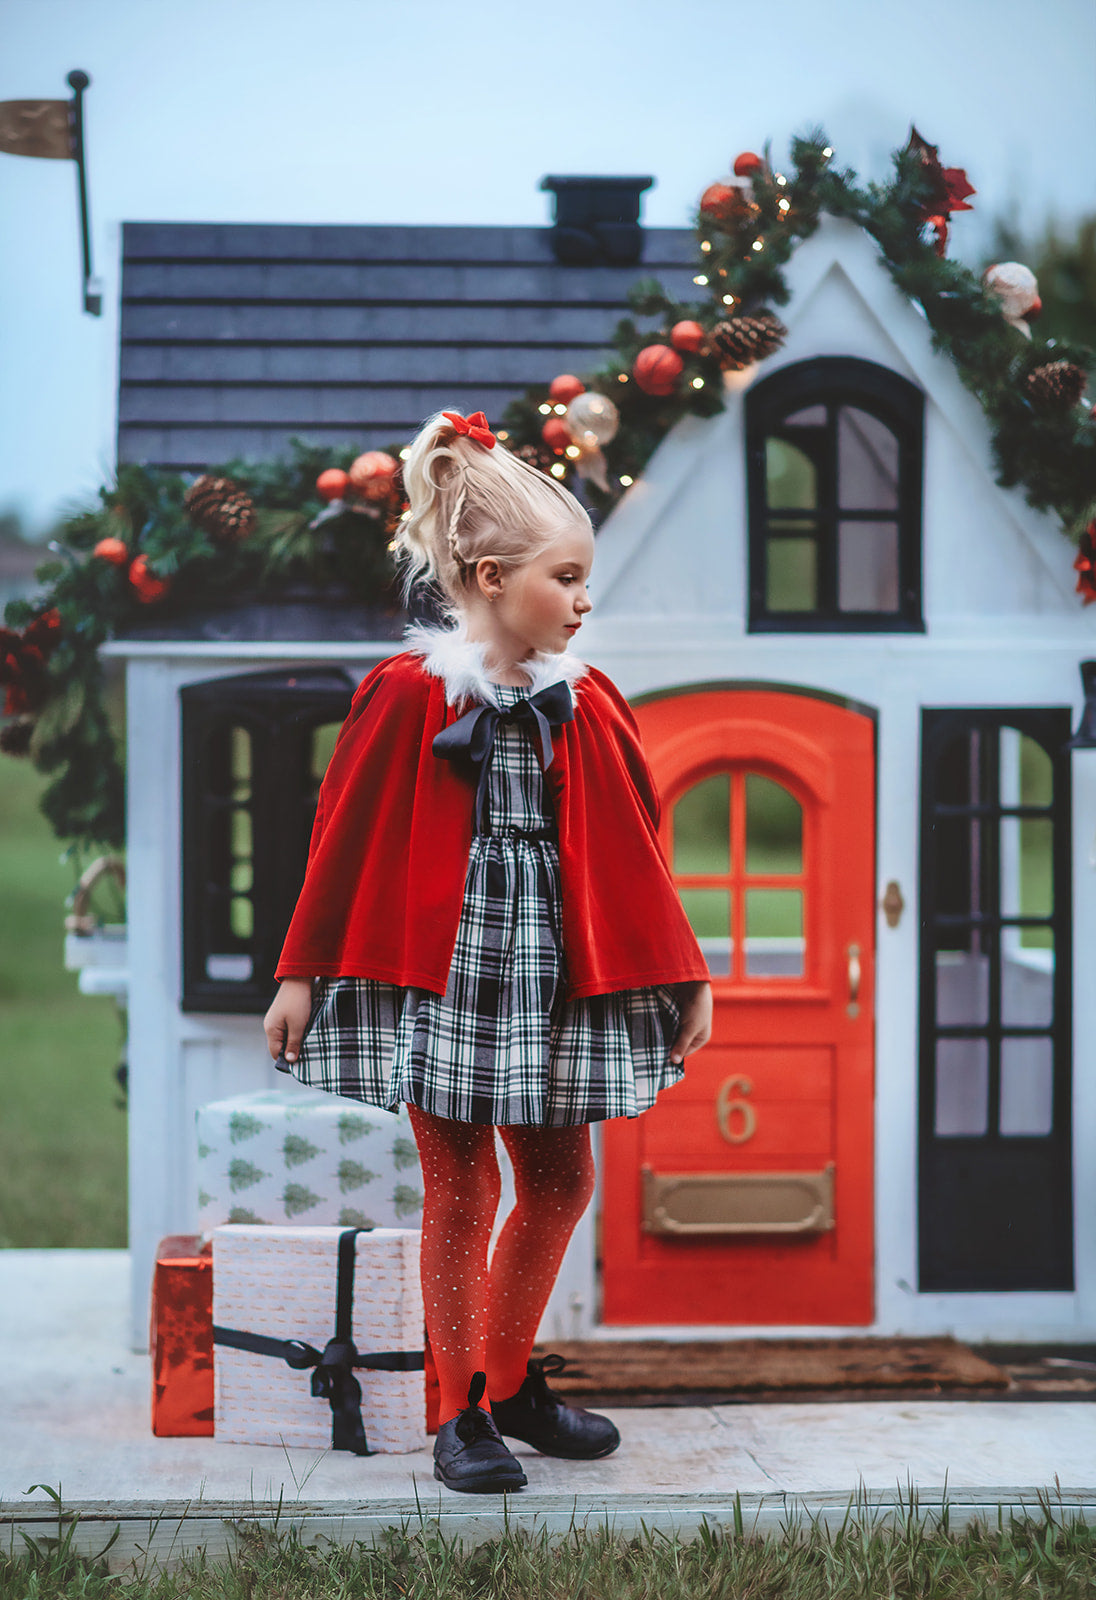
<point x="467" y="502"/>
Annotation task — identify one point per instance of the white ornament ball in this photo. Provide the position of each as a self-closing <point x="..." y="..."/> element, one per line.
<point x="592" y="418"/>
<point x="1014" y="285"/>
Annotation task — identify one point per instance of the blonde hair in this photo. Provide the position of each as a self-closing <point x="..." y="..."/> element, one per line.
<point x="468" y="501"/>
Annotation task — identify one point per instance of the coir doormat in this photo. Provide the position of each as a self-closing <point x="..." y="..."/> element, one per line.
<point x="664" y="1372"/>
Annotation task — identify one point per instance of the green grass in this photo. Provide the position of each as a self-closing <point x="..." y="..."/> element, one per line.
<point x="62" y="1134"/>
<point x="860" y="1562"/>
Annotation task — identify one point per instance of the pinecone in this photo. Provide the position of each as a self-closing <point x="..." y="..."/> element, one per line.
<point x="745" y="339"/>
<point x="15" y="736"/>
<point x="1056" y="385"/>
<point x="221" y="508"/>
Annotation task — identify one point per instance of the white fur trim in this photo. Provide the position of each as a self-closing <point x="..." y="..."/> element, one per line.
<point x="449" y="654"/>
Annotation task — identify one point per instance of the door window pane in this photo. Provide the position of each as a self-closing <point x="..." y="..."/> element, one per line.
<point x="962" y="1087"/>
<point x="867" y="566"/>
<point x="791" y="480"/>
<point x="774" y="933"/>
<point x="323" y="743"/>
<point x="709" y="912"/>
<point x="1027" y="884"/>
<point x="1027" y="1079"/>
<point x="1027" y="982"/>
<point x="702" y="827"/>
<point x="791" y="574"/>
<point x="1036" y="773"/>
<point x="867" y="453"/>
<point x="962" y="989"/>
<point x="774" y="827"/>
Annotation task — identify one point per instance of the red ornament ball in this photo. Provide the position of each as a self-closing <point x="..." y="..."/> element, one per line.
<point x="113" y="550"/>
<point x="147" y="585"/>
<point x="746" y="164"/>
<point x="371" y="474"/>
<point x="332" y="484"/>
<point x="718" y="201"/>
<point x="687" y="336"/>
<point x="657" y="369"/>
<point x="565" y="388"/>
<point x="556" y="435"/>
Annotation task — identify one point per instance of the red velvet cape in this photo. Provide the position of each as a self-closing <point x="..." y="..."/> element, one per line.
<point x="384" y="885"/>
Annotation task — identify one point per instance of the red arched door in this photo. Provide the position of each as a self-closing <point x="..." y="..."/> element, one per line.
<point x="745" y="1195"/>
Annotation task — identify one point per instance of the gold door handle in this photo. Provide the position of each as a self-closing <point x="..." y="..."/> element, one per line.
<point x="853" y="1007"/>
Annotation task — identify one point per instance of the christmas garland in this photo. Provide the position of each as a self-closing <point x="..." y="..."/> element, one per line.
<point x="324" y="518"/>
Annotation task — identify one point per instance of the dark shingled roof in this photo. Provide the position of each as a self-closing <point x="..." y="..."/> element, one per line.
<point x="236" y="337"/>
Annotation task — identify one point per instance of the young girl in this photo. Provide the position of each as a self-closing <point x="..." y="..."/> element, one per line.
<point x="488" y="929"/>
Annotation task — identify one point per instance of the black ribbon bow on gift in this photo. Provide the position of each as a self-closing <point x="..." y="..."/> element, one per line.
<point x="333" y="1379"/>
<point x="470" y="741"/>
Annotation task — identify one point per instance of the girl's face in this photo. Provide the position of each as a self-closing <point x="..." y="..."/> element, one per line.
<point x="540" y="606"/>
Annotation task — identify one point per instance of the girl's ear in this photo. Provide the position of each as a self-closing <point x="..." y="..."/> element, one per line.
<point x="489" y="577"/>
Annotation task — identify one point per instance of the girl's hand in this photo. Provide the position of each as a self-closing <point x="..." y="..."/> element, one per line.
<point x="285" y="1022"/>
<point x="695" y="1027"/>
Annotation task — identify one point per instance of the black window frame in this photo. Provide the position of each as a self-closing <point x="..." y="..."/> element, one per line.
<point x="835" y="381"/>
<point x="280" y="711"/>
<point x="995" y="1211"/>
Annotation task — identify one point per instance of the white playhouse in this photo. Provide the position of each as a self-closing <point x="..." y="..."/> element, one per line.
<point x="855" y="661"/>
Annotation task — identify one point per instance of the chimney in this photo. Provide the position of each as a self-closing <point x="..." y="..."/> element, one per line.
<point x="597" y="220"/>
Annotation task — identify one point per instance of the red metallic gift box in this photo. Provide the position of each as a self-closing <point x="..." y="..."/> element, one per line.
<point x="181" y="1338"/>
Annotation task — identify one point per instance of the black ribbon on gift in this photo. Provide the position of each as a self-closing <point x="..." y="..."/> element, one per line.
<point x="470" y="741"/>
<point x="333" y="1367"/>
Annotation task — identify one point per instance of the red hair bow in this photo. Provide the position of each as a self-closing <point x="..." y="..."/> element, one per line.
<point x="474" y="426"/>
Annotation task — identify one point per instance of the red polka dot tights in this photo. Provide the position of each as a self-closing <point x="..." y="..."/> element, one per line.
<point x="480" y="1317"/>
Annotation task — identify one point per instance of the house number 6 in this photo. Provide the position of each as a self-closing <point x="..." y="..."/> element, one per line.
<point x="728" y="1106"/>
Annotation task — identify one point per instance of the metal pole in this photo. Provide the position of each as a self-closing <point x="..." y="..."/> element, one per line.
<point x="93" y="294"/>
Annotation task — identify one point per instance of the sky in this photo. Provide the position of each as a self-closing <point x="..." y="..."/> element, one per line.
<point x="433" y="111"/>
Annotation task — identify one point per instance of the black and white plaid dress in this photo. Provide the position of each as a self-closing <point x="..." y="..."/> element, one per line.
<point x="502" y="1046"/>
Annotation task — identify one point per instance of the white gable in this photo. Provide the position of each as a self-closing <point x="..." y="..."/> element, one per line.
<point x="676" y="545"/>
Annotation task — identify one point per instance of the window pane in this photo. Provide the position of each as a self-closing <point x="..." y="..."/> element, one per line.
<point x="1036" y="774"/>
<point x="241" y="763"/>
<point x="958" y="872"/>
<point x="774" y="827"/>
<point x="791" y="575"/>
<point x="709" y="911"/>
<point x="790" y="478"/>
<point x="241" y="917"/>
<point x="702" y="827"/>
<point x="962" y="1087"/>
<point x="774" y="933"/>
<point x="962" y="989"/>
<point x="241" y="834"/>
<point x="1027" y="887"/>
<point x="1027" y="1086"/>
<point x="811" y="417"/>
<point x="867" y="477"/>
<point x="1027" y="982"/>
<point x="323" y="743"/>
<point x="867" y="566"/>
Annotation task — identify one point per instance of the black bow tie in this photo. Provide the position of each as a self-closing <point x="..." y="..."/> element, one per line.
<point x="471" y="740"/>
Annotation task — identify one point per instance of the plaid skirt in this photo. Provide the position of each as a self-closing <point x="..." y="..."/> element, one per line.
<point x="502" y="1046"/>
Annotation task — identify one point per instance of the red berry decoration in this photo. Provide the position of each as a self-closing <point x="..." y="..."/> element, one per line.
<point x="371" y="474"/>
<point x="556" y="435"/>
<point x="687" y="336"/>
<point x="747" y="164"/>
<point x="147" y="585"/>
<point x="565" y="388"/>
<point x="113" y="550"/>
<point x="332" y="484"/>
<point x="657" y="369"/>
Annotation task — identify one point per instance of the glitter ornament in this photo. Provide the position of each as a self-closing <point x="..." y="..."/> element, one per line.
<point x="688" y="336"/>
<point x="593" y="419"/>
<point x="371" y="474"/>
<point x="113" y="550"/>
<point x="746" y="164"/>
<point x="565" y="388"/>
<point x="657" y="369"/>
<point x="1018" y="291"/>
<point x="556" y="435"/>
<point x="332" y="484"/>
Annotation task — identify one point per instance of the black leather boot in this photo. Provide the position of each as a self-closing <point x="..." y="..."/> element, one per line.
<point x="542" y="1418"/>
<point x="469" y="1454"/>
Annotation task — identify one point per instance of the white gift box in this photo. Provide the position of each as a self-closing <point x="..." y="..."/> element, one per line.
<point x="280" y="1283"/>
<point x="302" y="1156"/>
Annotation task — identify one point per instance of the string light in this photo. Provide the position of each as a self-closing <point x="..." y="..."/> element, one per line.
<point x="573" y="451"/>
<point x="622" y="377"/>
<point x="785" y="205"/>
<point x="502" y="434"/>
<point x="728" y="299"/>
<point x="545" y="410"/>
<point x="705" y="245"/>
<point x="625" y="481"/>
<point x="827" y="152"/>
<point x="757" y="244"/>
<point x="558" y="469"/>
<point x="405" y="452"/>
<point x="781" y="180"/>
<point x="701" y="279"/>
<point x="698" y="383"/>
<point x="560" y="411"/>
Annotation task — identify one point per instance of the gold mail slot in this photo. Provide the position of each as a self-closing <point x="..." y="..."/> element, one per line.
<point x="737" y="1202"/>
